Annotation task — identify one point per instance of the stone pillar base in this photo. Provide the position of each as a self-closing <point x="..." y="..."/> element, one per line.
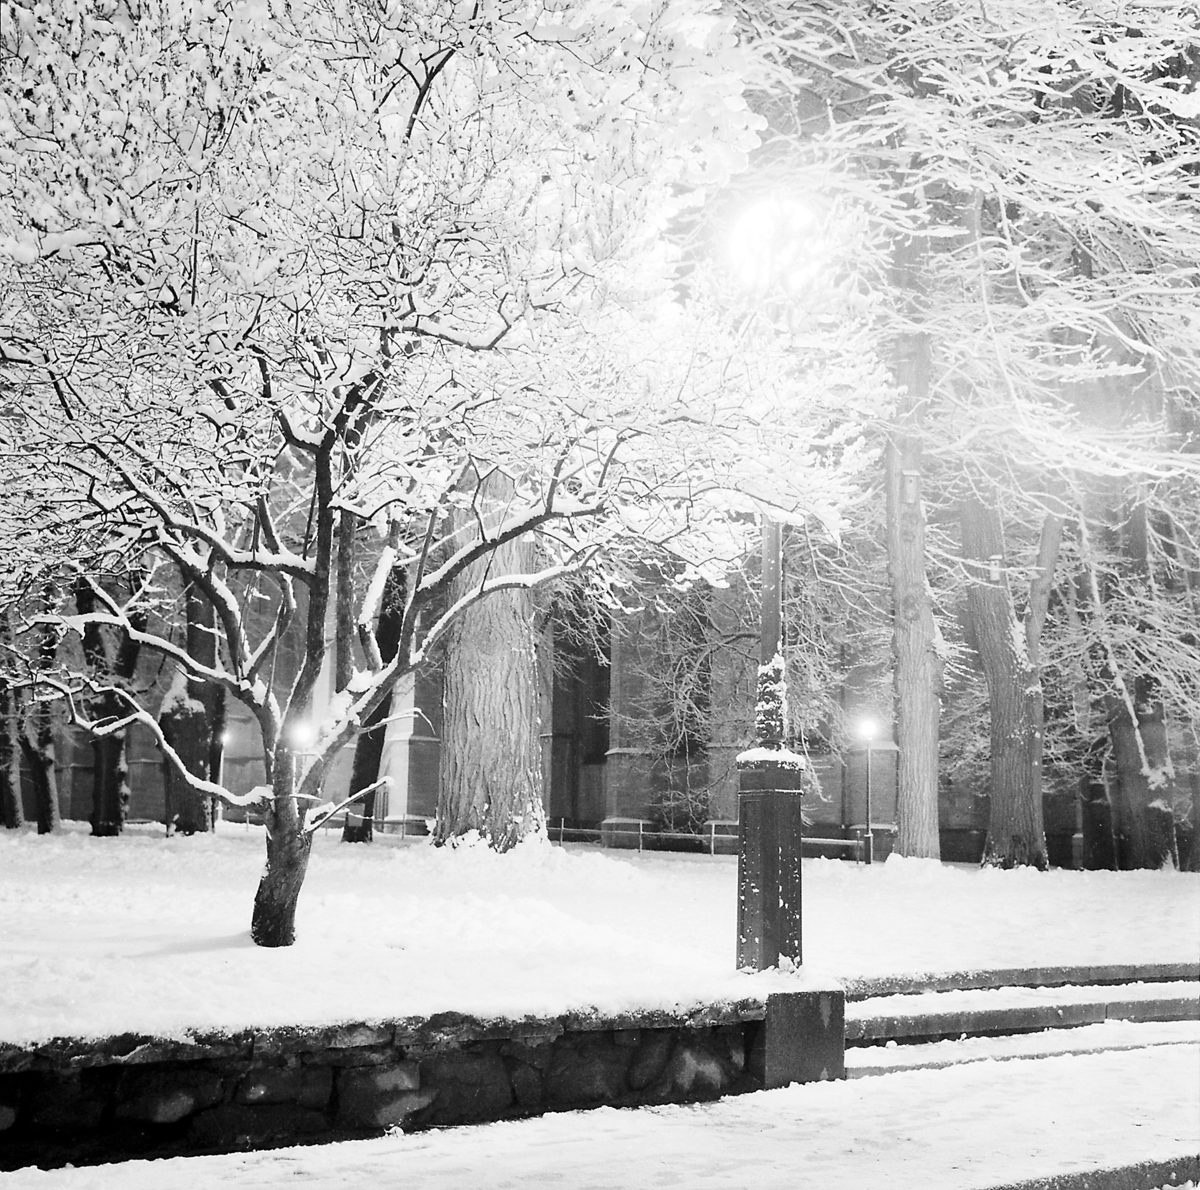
<point x="803" y="1039"/>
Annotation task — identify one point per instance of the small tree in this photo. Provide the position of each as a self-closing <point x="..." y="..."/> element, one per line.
<point x="314" y="272"/>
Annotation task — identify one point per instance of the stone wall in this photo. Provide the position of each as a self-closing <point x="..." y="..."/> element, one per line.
<point x="86" y="1102"/>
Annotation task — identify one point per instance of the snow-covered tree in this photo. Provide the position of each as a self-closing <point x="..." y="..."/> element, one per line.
<point x="1031" y="171"/>
<point x="285" y="273"/>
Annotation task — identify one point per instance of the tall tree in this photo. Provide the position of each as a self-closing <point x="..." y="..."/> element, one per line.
<point x="916" y="639"/>
<point x="1047" y="157"/>
<point x="490" y="779"/>
<point x="1016" y="835"/>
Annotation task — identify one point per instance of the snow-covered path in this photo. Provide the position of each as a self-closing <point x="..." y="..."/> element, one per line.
<point x="961" y="1128"/>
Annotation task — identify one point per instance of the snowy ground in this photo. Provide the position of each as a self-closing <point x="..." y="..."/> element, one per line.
<point x="99" y="936"/>
<point x="957" y="1129"/>
<point x="146" y="934"/>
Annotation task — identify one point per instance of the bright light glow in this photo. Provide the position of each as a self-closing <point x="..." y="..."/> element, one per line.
<point x="302" y="734"/>
<point x="226" y="738"/>
<point x="867" y="729"/>
<point x="775" y="243"/>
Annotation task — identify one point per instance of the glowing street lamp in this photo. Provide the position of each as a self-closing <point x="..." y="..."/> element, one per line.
<point x="771" y="255"/>
<point x="868" y="729"/>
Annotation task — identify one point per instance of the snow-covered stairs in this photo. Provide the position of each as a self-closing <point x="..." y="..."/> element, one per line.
<point x="865" y="1060"/>
<point x="968" y="1017"/>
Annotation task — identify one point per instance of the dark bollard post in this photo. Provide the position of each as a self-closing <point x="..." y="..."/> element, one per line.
<point x="769" y="842"/>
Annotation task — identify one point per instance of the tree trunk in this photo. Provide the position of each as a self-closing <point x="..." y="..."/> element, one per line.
<point x="1144" y="787"/>
<point x="12" y="811"/>
<point x="37" y="737"/>
<point x="368" y="748"/>
<point x="37" y="743"/>
<point x="1142" y="818"/>
<point x="273" y="921"/>
<point x="1016" y="836"/>
<point x="190" y="719"/>
<point x="343" y="652"/>
<point x="110" y="762"/>
<point x="491" y="771"/>
<point x="1099" y="841"/>
<point x="918" y="667"/>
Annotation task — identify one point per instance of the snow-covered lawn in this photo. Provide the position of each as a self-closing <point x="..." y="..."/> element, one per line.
<point x="146" y="934"/>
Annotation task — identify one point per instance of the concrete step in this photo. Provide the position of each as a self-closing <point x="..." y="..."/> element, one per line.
<point x="867" y="986"/>
<point x="1004" y="1010"/>
<point x="864" y="1061"/>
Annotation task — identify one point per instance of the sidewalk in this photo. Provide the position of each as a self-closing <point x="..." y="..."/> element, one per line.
<point x="970" y="1127"/>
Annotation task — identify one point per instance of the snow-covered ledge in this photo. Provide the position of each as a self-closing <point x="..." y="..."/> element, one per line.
<point x="89" y="1101"/>
<point x="761" y="757"/>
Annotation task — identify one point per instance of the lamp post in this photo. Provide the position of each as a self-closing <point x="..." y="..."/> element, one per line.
<point x="772" y="593"/>
<point x="867" y="731"/>
<point x="767" y="245"/>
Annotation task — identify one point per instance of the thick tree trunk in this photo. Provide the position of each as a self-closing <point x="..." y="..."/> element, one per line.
<point x="1142" y="818"/>
<point x="185" y="727"/>
<point x="368" y="748"/>
<point x="491" y="769"/>
<point x="37" y="743"/>
<point x="1144" y="787"/>
<point x="191" y="718"/>
<point x="110" y="782"/>
<point x="273" y="922"/>
<point x="918" y="667"/>
<point x="1016" y="836"/>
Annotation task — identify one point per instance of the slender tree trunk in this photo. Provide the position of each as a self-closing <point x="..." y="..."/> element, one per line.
<point x="491" y="769"/>
<point x="1099" y="851"/>
<point x="37" y="743"/>
<point x="343" y="657"/>
<point x="37" y="736"/>
<point x="12" y="811"/>
<point x="190" y="717"/>
<point x="1016" y="835"/>
<point x="368" y="748"/>
<point x="1144" y="786"/>
<point x="273" y="921"/>
<point x="110" y="761"/>
<point x="918" y="667"/>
